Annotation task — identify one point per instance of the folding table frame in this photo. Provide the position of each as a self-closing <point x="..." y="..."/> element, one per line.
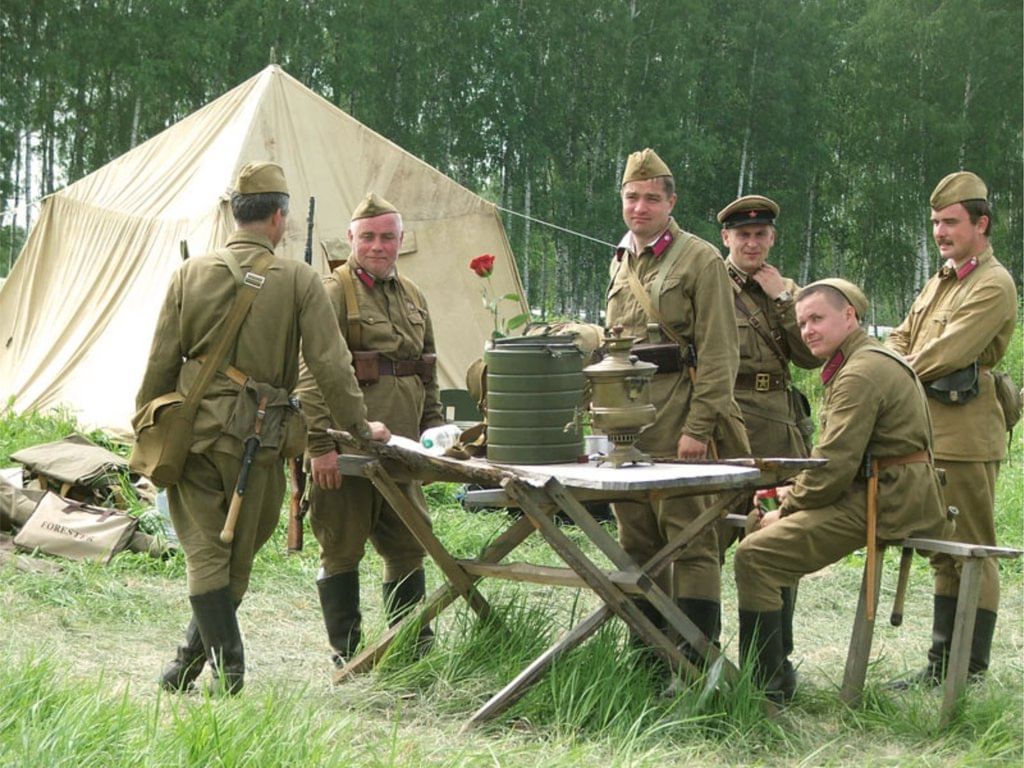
<point x="540" y="492"/>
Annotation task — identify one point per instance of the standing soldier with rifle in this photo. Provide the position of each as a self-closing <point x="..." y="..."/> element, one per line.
<point x="289" y="308"/>
<point x="385" y="321"/>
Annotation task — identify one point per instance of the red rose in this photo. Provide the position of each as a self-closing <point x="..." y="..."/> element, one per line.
<point x="483" y="265"/>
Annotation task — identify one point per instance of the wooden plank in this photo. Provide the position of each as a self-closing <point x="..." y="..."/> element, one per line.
<point x="545" y="574"/>
<point x="860" y="639"/>
<point x="963" y="633"/>
<point x="961" y="549"/>
<point x="518" y="686"/>
<point x="436" y="603"/>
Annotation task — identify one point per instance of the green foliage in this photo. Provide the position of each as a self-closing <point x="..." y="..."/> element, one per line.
<point x="19" y="431"/>
<point x="846" y="113"/>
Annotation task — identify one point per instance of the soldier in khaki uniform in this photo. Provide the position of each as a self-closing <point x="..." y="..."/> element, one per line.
<point x="291" y="306"/>
<point x="964" y="317"/>
<point x="669" y="285"/>
<point x="385" y="321"/>
<point x="873" y="404"/>
<point x="765" y="307"/>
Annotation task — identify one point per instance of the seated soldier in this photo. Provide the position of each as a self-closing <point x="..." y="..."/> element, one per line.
<point x="874" y="406"/>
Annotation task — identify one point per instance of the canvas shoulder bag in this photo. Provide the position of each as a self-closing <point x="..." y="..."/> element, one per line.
<point x="163" y="426"/>
<point x="76" y="531"/>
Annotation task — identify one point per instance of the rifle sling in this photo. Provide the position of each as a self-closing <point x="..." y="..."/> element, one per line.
<point x="744" y="304"/>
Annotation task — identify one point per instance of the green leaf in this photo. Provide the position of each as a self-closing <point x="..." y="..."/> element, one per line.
<point x="516" y="321"/>
<point x="511" y="296"/>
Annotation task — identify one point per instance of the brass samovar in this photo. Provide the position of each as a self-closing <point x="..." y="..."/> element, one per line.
<point x="620" y="404"/>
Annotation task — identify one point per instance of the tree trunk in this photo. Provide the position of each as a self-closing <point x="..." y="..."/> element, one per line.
<point x="28" y="180"/>
<point x="807" y="261"/>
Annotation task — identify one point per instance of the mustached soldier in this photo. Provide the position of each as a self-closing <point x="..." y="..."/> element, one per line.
<point x="961" y="323"/>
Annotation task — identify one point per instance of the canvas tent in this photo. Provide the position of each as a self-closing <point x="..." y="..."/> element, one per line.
<point x="78" y="310"/>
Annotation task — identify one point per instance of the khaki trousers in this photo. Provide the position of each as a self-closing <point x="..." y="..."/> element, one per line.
<point x="971" y="488"/>
<point x="199" y="504"/>
<point x="343" y="521"/>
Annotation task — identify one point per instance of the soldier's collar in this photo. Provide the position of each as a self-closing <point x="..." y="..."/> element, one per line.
<point x="738" y="275"/>
<point x="657" y="246"/>
<point x="369" y="280"/>
<point x="831" y="368"/>
<point x="240" y="236"/>
<point x="949" y="269"/>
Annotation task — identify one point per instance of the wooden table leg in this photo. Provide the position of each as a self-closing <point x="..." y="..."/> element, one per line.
<point x="436" y="603"/>
<point x="664" y="604"/>
<point x="963" y="633"/>
<point x="419" y="526"/>
<point x="863" y="632"/>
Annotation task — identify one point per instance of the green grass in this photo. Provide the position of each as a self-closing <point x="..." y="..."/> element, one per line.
<point x="82" y="648"/>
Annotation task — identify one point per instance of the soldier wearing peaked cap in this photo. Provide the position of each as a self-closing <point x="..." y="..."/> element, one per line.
<point x="958" y="328"/>
<point x="777" y="416"/>
<point x="290" y="307"/>
<point x="670" y="287"/>
<point x="874" y="405"/>
<point x="384" y="318"/>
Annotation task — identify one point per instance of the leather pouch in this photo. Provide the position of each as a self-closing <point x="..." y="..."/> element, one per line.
<point x="367" y="367"/>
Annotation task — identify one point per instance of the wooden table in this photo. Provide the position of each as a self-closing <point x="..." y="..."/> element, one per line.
<point x="541" y="491"/>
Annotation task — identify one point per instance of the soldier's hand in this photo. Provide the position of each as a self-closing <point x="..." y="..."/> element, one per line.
<point x="325" y="471"/>
<point x="782" y="492"/>
<point x="770" y="517"/>
<point x="691" y="448"/>
<point x="379" y="431"/>
<point x="770" y="280"/>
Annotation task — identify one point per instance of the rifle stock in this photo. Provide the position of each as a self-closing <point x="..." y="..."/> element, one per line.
<point x="298" y="505"/>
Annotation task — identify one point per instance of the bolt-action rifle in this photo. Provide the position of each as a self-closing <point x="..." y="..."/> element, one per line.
<point x="298" y="504"/>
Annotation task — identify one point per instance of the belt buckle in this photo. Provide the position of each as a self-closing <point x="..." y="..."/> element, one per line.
<point x="762" y="382"/>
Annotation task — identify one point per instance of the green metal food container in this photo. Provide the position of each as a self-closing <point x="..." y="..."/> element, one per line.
<point x="534" y="387"/>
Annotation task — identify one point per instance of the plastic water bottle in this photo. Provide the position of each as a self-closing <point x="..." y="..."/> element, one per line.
<point x="164" y="510"/>
<point x="437" y="440"/>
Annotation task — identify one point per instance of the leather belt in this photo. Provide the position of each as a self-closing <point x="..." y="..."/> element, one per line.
<point x="230" y="371"/>
<point x="397" y="367"/>
<point x="918" y="457"/>
<point x="761" y="382"/>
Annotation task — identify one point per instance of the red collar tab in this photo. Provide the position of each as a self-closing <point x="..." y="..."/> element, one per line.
<point x="366" y="277"/>
<point x="949" y="268"/>
<point x="832" y="366"/>
<point x="623" y="246"/>
<point x="661" y="245"/>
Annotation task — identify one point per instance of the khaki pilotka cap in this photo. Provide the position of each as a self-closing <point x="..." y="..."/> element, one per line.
<point x="644" y="165"/>
<point x="259" y="178"/>
<point x="372" y="205"/>
<point x="957" y="187"/>
<point x="854" y="295"/>
<point x="749" y="209"/>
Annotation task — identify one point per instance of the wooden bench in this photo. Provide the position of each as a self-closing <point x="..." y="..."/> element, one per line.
<point x="857" y="657"/>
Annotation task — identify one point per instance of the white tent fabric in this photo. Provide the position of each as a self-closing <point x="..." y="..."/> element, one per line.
<point x="78" y="310"/>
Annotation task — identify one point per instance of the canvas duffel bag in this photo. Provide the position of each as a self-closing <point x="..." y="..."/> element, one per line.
<point x="76" y="531"/>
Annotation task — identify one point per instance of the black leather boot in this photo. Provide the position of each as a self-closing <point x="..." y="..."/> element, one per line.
<point x="400" y="597"/>
<point x="179" y="675"/>
<point x="943" y="618"/>
<point x="761" y="642"/>
<point x="707" y="615"/>
<point x="788" y="608"/>
<point x="339" y="602"/>
<point x="981" y="643"/>
<point x="218" y="624"/>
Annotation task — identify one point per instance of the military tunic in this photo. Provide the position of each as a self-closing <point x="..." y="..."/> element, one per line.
<point x="769" y="415"/>
<point x="693" y="297"/>
<point x="290" y="309"/>
<point x="872" y="401"/>
<point x="957" y="319"/>
<point x="394" y="321"/>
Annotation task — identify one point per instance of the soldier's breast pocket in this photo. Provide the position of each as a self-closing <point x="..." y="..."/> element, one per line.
<point x="749" y="348"/>
<point x="417" y="321"/>
<point x="676" y="306"/>
<point x="934" y="325"/>
<point x="375" y="329"/>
